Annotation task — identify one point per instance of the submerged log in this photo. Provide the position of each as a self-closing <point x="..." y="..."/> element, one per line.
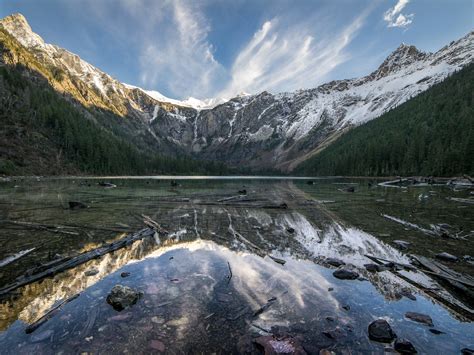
<point x="35" y="325"/>
<point x="436" y="269"/>
<point x="71" y="262"/>
<point x="16" y="256"/>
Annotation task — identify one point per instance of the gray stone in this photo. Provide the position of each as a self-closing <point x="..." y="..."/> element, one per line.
<point x="403" y="346"/>
<point x="335" y="262"/>
<point x="345" y="274"/>
<point x="420" y="318"/>
<point x="121" y="297"/>
<point x="380" y="330"/>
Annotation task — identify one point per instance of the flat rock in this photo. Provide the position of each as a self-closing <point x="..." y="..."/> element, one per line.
<point x="375" y="267"/>
<point x="121" y="297"/>
<point x="436" y="331"/>
<point x="335" y="262"/>
<point x="42" y="336"/>
<point x="345" y="274"/>
<point x="446" y="257"/>
<point x="419" y="318"/>
<point x="380" y="330"/>
<point x="403" y="346"/>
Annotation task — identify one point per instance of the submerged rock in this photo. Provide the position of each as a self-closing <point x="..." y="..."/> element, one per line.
<point x="273" y="345"/>
<point x="345" y="274"/>
<point x="76" y="205"/>
<point x="42" y="336"/>
<point x="380" y="330"/>
<point x="403" y="346"/>
<point x="375" y="267"/>
<point x="91" y="272"/>
<point x="122" y="297"/>
<point x="446" y="257"/>
<point x="401" y="244"/>
<point x="436" y="331"/>
<point x="420" y="318"/>
<point x="157" y="345"/>
<point x="335" y="262"/>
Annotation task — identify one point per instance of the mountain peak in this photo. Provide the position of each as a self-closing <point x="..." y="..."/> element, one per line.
<point x="402" y="56"/>
<point x="17" y="25"/>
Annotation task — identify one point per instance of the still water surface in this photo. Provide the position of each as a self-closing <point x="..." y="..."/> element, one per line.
<point x="203" y="283"/>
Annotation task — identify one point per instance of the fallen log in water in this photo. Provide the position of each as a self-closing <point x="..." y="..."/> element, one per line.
<point x="439" y="270"/>
<point x="16" y="256"/>
<point x="35" y="325"/>
<point x="462" y="310"/>
<point x="71" y="262"/>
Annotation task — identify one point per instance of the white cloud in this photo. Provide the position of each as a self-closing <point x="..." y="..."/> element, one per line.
<point x="175" y="56"/>
<point x="279" y="58"/>
<point x="395" y="18"/>
<point x="182" y="56"/>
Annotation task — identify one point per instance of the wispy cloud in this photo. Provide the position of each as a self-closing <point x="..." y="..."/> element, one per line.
<point x="279" y="58"/>
<point x="176" y="56"/>
<point x="395" y="18"/>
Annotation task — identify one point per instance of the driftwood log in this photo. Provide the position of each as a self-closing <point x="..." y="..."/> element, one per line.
<point x="57" y="266"/>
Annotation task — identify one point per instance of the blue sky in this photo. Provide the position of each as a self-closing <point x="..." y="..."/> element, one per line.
<point x="214" y="48"/>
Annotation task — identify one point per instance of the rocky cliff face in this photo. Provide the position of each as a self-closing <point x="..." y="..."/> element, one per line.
<point x="264" y="130"/>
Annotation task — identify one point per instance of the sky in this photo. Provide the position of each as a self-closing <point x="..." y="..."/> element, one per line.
<point x="220" y="48"/>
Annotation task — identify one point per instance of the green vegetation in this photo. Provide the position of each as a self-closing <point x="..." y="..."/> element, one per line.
<point x="44" y="133"/>
<point x="431" y="134"/>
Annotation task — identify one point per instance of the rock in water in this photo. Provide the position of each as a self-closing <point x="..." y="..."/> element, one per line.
<point x="345" y="274"/>
<point x="401" y="244"/>
<point x="420" y="318"/>
<point x="122" y="297"/>
<point x="280" y="345"/>
<point x="91" y="272"/>
<point x="446" y="257"/>
<point x="76" y="205"/>
<point x="335" y="262"/>
<point x="403" y="346"/>
<point x="380" y="330"/>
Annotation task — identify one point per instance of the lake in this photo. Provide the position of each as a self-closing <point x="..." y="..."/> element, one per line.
<point x="238" y="265"/>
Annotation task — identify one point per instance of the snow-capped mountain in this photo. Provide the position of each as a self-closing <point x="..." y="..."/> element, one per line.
<point x="263" y="130"/>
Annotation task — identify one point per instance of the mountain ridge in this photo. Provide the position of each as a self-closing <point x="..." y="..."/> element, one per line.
<point x="261" y="130"/>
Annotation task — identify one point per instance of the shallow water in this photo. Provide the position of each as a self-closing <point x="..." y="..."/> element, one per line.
<point x="202" y="283"/>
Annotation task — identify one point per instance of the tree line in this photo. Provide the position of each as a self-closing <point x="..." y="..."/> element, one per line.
<point x="431" y="134"/>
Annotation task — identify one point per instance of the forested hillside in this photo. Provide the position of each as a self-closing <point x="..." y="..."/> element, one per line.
<point x="43" y="133"/>
<point x="431" y="134"/>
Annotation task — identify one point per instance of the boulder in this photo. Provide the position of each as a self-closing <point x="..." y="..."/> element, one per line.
<point x="420" y="318"/>
<point x="380" y="330"/>
<point x="345" y="274"/>
<point x="121" y="297"/>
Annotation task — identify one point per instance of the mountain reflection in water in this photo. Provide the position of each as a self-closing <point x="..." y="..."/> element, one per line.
<point x="204" y="283"/>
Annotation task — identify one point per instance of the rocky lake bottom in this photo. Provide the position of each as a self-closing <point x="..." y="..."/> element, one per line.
<point x="234" y="265"/>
